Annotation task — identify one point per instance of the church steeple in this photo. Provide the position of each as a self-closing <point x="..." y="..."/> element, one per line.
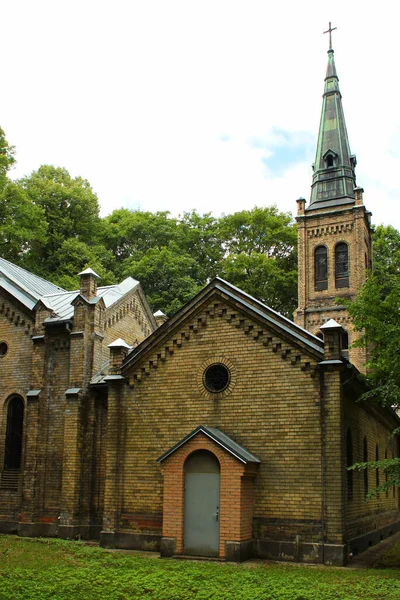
<point x="334" y="177"/>
<point x="334" y="232"/>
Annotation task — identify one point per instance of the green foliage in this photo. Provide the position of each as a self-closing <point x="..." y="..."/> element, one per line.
<point x="59" y="570"/>
<point x="168" y="276"/>
<point x="261" y="256"/>
<point x="74" y="256"/>
<point x="391" y="558"/>
<point x="263" y="230"/>
<point x="7" y="158"/>
<point x="200" y="237"/>
<point x="50" y="224"/>
<point x="376" y="314"/>
<point x="389" y="467"/>
<point x="130" y="233"/>
<point x="263" y="277"/>
<point x="22" y="225"/>
<point x="174" y="258"/>
<point x="70" y="208"/>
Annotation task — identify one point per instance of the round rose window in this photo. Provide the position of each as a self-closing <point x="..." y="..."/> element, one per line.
<point x="216" y="378"/>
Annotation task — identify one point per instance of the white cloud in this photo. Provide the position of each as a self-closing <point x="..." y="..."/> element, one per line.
<point x="158" y="103"/>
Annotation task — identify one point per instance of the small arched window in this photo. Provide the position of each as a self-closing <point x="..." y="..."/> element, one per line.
<point x="365" y="459"/>
<point x="377" y="470"/>
<point x="386" y="475"/>
<point x="349" y="462"/>
<point x="321" y="268"/>
<point x="394" y="487"/>
<point x="13" y="446"/>
<point x="345" y="340"/>
<point x="342" y="265"/>
<point x="329" y="160"/>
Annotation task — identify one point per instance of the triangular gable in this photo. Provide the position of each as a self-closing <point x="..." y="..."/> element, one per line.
<point x="255" y="310"/>
<point x="221" y="439"/>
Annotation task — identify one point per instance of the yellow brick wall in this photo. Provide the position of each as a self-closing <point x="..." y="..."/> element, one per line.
<point x="16" y="327"/>
<point x="271" y="408"/>
<point x="362" y="515"/>
<point x="327" y="228"/>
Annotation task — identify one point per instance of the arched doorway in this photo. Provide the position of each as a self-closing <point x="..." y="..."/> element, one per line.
<point x="202" y="501"/>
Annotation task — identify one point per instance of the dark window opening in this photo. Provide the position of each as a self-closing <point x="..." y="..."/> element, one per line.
<point x="3" y="348"/>
<point x="345" y="340"/>
<point x="216" y="378"/>
<point x="386" y="476"/>
<point x="321" y="268"/>
<point x="365" y="459"/>
<point x="349" y="461"/>
<point x="329" y="160"/>
<point x="377" y="470"/>
<point x="342" y="265"/>
<point x="13" y="447"/>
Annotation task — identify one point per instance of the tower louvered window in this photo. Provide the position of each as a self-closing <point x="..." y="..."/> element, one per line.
<point x="342" y="265"/>
<point x="321" y="268"/>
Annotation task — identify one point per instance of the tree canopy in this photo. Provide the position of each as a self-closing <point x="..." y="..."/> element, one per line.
<point x="7" y="158"/>
<point x="376" y="314"/>
<point x="50" y="224"/>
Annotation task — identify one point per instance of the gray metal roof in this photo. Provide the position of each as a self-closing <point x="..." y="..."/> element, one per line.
<point x="60" y="303"/>
<point x="24" y="286"/>
<point x="220" y="438"/>
<point x="29" y="289"/>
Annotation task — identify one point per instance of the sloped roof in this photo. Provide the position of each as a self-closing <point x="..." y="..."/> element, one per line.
<point x="252" y="306"/>
<point x="333" y="184"/>
<point x="60" y="303"/>
<point x="24" y="286"/>
<point x="29" y="289"/>
<point x="220" y="438"/>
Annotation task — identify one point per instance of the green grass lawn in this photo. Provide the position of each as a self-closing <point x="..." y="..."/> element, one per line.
<point x="391" y="558"/>
<point x="59" y="570"/>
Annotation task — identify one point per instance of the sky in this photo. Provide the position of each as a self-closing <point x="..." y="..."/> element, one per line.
<point x="212" y="105"/>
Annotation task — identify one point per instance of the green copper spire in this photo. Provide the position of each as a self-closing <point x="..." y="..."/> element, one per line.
<point x="334" y="178"/>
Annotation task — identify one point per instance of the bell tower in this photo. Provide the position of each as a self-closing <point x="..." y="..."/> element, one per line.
<point x="334" y="230"/>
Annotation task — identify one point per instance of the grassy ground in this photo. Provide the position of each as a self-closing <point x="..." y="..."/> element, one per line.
<point x="391" y="558"/>
<point x="59" y="570"/>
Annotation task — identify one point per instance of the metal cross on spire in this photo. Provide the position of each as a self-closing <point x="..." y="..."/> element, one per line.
<point x="330" y="34"/>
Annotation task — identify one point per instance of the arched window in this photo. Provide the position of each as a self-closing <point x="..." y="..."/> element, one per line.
<point x="342" y="265"/>
<point x="13" y="447"/>
<point x="321" y="268"/>
<point x="377" y="470"/>
<point x="386" y="475"/>
<point x="329" y="160"/>
<point x="349" y="462"/>
<point x="365" y="459"/>
<point x="345" y="340"/>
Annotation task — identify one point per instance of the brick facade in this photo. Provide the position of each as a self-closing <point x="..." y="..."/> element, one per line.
<point x="328" y="227"/>
<point x="50" y="363"/>
<point x="100" y="427"/>
<point x="91" y="442"/>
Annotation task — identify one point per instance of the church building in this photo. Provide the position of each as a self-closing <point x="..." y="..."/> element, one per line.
<point x="224" y="431"/>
